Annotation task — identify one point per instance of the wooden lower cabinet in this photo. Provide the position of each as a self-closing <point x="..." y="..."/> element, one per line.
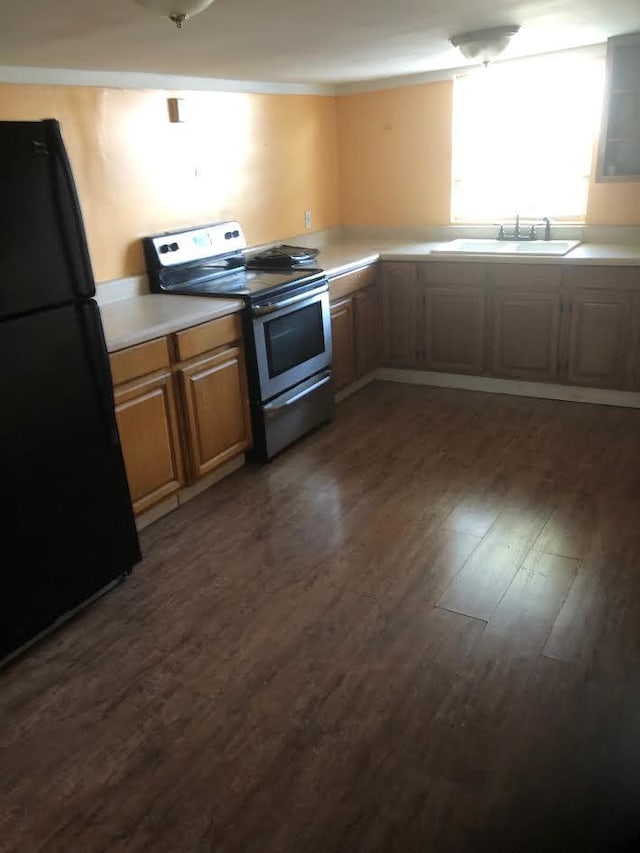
<point x="599" y="336"/>
<point x="180" y="422"/>
<point x="366" y="315"/>
<point x="343" y="366"/>
<point x="526" y="334"/>
<point x="634" y="344"/>
<point x="454" y="329"/>
<point x="216" y="409"/>
<point x="347" y="284"/>
<point x="149" y="436"/>
<point x="401" y="314"/>
<point x="544" y="322"/>
<point x="355" y="333"/>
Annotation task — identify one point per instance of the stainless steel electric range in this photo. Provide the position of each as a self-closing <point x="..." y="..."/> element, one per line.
<point x="287" y="323"/>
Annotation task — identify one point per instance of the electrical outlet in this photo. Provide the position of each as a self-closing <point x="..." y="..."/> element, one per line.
<point x="307" y="219"/>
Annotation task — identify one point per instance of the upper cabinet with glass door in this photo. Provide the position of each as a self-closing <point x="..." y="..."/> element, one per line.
<point x="619" y="152"/>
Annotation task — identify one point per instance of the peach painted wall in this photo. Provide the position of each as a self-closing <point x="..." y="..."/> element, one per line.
<point x="376" y="158"/>
<point x="395" y="156"/>
<point x="263" y="159"/>
<point x="395" y="162"/>
<point x="614" y="204"/>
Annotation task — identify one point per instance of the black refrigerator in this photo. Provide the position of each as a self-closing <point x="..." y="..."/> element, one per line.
<point x="68" y="531"/>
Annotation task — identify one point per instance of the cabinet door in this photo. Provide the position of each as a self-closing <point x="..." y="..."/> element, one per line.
<point x="634" y="343"/>
<point x="454" y="329"/>
<point x="366" y="308"/>
<point x="401" y="318"/>
<point x="147" y="423"/>
<point x="216" y="409"/>
<point x="343" y="365"/>
<point x="526" y="332"/>
<point x="599" y="338"/>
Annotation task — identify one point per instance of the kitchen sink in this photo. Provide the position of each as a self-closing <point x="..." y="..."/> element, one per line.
<point x="506" y="247"/>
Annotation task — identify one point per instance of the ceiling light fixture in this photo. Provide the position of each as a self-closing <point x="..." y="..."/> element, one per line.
<point x="177" y="11"/>
<point x="484" y="45"/>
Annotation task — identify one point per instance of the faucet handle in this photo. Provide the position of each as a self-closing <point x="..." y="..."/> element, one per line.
<point x="547" y="227"/>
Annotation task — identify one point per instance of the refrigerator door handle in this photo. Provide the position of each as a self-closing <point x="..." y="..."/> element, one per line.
<point x="68" y="206"/>
<point x="41" y="148"/>
<point x="98" y="362"/>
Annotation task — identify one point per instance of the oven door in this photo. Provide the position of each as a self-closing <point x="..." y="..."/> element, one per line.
<point x="292" y="340"/>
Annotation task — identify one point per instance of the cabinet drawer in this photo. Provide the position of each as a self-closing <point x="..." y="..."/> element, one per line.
<point x="130" y="363"/>
<point x="342" y="285"/>
<point x="527" y="276"/>
<point x="442" y="272"/>
<point x="602" y="278"/>
<point x="208" y="336"/>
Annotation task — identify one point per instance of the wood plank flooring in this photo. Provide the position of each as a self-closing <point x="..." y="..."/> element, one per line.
<point x="417" y="631"/>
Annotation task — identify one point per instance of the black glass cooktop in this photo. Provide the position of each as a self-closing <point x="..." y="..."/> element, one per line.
<point x="240" y="284"/>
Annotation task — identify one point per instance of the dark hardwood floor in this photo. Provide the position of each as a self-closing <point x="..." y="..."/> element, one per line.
<point x="418" y="631"/>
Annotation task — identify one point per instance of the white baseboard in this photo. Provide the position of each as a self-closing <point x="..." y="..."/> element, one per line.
<point x="163" y="508"/>
<point x="489" y="384"/>
<point x="356" y="386"/>
<point x="211" y="479"/>
<point x="188" y="492"/>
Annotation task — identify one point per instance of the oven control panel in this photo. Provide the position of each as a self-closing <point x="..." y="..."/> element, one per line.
<point x="196" y="244"/>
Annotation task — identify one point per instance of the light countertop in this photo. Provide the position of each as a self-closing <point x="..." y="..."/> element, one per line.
<point x="142" y="318"/>
<point x="338" y="258"/>
<point x="344" y="256"/>
<point x="604" y="253"/>
<point x="595" y="254"/>
<point x="134" y="321"/>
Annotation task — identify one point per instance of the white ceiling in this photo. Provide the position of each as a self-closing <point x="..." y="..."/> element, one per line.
<point x="301" y="41"/>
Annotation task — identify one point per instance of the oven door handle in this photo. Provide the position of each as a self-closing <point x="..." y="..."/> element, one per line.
<point x="271" y="308"/>
<point x="270" y="409"/>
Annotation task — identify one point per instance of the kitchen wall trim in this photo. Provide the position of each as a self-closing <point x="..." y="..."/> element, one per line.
<point x="514" y="387"/>
<point x="142" y="80"/>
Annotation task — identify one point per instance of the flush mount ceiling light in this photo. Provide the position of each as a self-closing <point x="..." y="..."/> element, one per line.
<point x="177" y="11"/>
<point x="484" y="45"/>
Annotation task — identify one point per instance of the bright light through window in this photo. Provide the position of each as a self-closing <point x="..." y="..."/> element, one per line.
<point x="523" y="135"/>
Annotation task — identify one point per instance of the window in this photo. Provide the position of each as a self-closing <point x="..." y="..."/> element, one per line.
<point x="523" y="135"/>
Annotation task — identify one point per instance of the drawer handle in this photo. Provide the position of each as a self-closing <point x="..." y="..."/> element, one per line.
<point x="271" y="410"/>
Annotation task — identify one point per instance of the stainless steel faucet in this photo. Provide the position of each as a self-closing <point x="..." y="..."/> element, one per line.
<point x="515" y="235"/>
<point x="531" y="232"/>
<point x="516" y="230"/>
